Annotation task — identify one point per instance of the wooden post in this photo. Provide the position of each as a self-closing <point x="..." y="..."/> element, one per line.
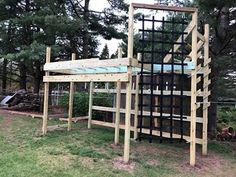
<point x="46" y="94"/>
<point x="118" y="97"/>
<point x="90" y="104"/>
<point x="128" y="87"/>
<point x="205" y="90"/>
<point x="193" y="93"/>
<point x="119" y="52"/>
<point x="117" y="118"/>
<point x="71" y="99"/>
<point x="136" y="108"/>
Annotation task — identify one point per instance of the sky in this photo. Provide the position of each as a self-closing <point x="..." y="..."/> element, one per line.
<point x="98" y="5"/>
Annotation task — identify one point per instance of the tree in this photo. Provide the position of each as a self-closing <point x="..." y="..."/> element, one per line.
<point x="105" y="53"/>
<point x="221" y="16"/>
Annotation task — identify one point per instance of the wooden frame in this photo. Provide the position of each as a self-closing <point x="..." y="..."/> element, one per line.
<point x="111" y="70"/>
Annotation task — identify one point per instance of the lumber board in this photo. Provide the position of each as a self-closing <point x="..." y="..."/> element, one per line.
<point x="84" y="64"/>
<point x="193" y="93"/>
<point x="144" y="130"/>
<point x="188" y="30"/>
<point x="117" y="116"/>
<point x="123" y="77"/>
<point x="165" y="8"/>
<point x="145" y="113"/>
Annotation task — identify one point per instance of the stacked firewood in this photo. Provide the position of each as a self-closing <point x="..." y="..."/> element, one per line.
<point x="24" y="101"/>
<point x="226" y="134"/>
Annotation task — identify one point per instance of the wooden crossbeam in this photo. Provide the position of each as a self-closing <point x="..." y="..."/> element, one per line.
<point x="201" y="37"/>
<point x="145" y="113"/>
<point x="165" y="8"/>
<point x="89" y="64"/>
<point x="145" y="131"/>
<point x="123" y="77"/>
<point x="177" y="46"/>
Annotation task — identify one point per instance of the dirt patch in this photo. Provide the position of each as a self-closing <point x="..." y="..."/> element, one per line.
<point x="87" y="162"/>
<point x="210" y="165"/>
<point x="7" y="119"/>
<point x="118" y="163"/>
<point x="150" y="149"/>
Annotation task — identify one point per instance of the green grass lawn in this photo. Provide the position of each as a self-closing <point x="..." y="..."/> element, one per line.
<point x="82" y="152"/>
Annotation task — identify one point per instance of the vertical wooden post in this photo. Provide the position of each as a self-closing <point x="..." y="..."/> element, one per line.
<point x="205" y="90"/>
<point x="118" y="97"/>
<point x="90" y="104"/>
<point x="71" y="99"/>
<point x="136" y="108"/>
<point x="193" y="93"/>
<point x="117" y="120"/>
<point x="46" y="94"/>
<point x="119" y="52"/>
<point x="128" y="87"/>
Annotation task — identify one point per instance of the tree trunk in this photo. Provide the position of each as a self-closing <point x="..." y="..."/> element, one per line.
<point x="23" y="77"/>
<point x="85" y="31"/>
<point x="4" y="76"/>
<point x="37" y="76"/>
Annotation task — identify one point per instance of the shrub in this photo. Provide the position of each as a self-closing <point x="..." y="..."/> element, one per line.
<point x="81" y="102"/>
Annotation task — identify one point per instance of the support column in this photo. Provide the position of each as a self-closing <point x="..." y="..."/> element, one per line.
<point x="136" y="108"/>
<point x="128" y="86"/>
<point x="46" y="94"/>
<point x="193" y="93"/>
<point x="205" y="90"/>
<point x="117" y="117"/>
<point x="71" y="99"/>
<point x="90" y="104"/>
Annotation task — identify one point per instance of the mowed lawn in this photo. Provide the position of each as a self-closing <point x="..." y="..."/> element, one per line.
<point x="82" y="152"/>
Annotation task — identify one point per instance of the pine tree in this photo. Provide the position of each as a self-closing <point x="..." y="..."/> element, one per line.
<point x="105" y="52"/>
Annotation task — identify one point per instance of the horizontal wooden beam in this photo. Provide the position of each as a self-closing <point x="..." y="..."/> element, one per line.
<point x="165" y="8"/>
<point x="89" y="64"/>
<point x="155" y="92"/>
<point x="145" y="113"/>
<point x="145" y="131"/>
<point x="123" y="77"/>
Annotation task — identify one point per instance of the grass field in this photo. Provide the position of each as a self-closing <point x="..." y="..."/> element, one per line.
<point x="82" y="152"/>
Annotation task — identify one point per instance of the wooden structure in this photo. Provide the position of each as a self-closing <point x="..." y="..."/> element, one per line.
<point x="121" y="70"/>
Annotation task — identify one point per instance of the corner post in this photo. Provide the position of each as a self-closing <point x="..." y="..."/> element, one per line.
<point x="193" y="92"/>
<point x="136" y="107"/>
<point x="71" y="99"/>
<point x="117" y="121"/>
<point x="46" y="94"/>
<point x="205" y="90"/>
<point x="90" y="104"/>
<point x="128" y="86"/>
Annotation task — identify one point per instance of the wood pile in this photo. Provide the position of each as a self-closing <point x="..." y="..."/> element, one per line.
<point x="226" y="134"/>
<point x="24" y="101"/>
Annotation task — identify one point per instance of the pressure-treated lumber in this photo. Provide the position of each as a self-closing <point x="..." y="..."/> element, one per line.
<point x="90" y="104"/>
<point x="89" y="64"/>
<point x="193" y="93"/>
<point x="205" y="90"/>
<point x="87" y="78"/>
<point x="74" y="119"/>
<point x="144" y="130"/>
<point x="177" y="46"/>
<point x="117" y="116"/>
<point x="145" y="113"/>
<point x="46" y="94"/>
<point x="71" y="99"/>
<point x="155" y="92"/>
<point x="136" y="112"/>
<point x="128" y="86"/>
<point x="166" y="8"/>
